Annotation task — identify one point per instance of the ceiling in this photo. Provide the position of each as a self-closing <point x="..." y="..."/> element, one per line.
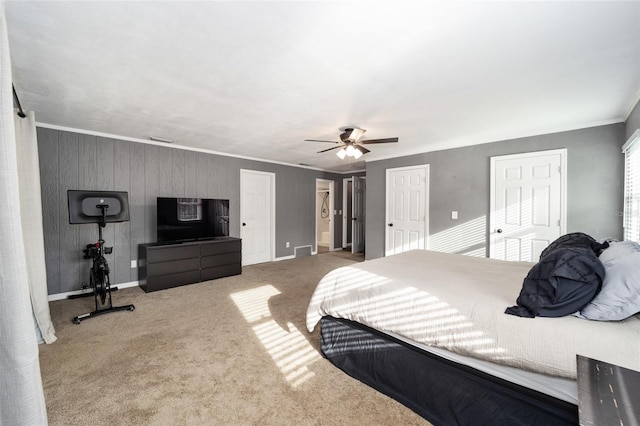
<point x="257" y="78"/>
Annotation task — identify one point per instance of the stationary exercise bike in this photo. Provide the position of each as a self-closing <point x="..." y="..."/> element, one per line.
<point x="99" y="271"/>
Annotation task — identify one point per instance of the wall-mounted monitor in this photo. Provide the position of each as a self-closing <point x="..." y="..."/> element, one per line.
<point x="84" y="206"/>
<point x="190" y="219"/>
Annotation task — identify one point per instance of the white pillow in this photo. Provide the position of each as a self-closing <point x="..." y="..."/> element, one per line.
<point x="620" y="294"/>
<point x="618" y="249"/>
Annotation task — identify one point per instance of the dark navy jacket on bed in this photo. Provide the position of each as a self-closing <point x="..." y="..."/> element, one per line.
<point x="567" y="277"/>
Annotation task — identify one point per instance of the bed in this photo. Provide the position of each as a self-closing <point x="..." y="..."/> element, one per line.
<point x="429" y="329"/>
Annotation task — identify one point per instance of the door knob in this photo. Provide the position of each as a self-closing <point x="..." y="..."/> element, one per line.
<point x="391" y="224"/>
<point x="244" y="224"/>
<point x="499" y="231"/>
<point x="354" y="219"/>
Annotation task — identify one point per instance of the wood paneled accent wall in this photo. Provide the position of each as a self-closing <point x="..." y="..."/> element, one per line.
<point x="71" y="160"/>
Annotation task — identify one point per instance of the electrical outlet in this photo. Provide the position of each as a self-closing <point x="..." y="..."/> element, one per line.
<point x="287" y="244"/>
<point x="134" y="264"/>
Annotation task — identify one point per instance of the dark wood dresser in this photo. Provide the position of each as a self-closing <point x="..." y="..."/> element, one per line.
<point x="166" y="265"/>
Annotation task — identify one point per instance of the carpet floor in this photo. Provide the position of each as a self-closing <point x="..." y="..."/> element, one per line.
<point x="233" y="351"/>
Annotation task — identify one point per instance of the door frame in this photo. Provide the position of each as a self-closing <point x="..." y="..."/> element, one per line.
<point x="272" y="204"/>
<point x="346" y="214"/>
<point x="492" y="181"/>
<point x="331" y="215"/>
<point x="362" y="218"/>
<point x="426" y="202"/>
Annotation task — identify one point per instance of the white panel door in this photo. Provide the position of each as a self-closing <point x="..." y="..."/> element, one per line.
<point x="527" y="204"/>
<point x="257" y="216"/>
<point x="357" y="205"/>
<point x="406" y="216"/>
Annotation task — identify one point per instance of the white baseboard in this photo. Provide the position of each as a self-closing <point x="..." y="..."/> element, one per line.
<point x="60" y="296"/>
<point x="277" y="259"/>
<point x="295" y="250"/>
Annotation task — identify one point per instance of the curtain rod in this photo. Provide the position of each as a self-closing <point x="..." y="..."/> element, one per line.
<point x="15" y="97"/>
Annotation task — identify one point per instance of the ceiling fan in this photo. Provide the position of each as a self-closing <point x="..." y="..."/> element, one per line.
<point x="351" y="143"/>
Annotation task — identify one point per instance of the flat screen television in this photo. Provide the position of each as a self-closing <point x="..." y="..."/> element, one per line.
<point x="191" y="219"/>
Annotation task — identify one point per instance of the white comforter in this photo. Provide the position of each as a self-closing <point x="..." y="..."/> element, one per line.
<point x="457" y="303"/>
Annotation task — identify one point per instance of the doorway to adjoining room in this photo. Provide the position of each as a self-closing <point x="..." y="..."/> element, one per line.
<point x="353" y="217"/>
<point x="324" y="216"/>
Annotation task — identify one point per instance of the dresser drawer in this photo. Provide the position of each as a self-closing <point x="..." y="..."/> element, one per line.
<point x="220" y="247"/>
<point x="162" y="282"/>
<point x="173" y="267"/>
<point x="220" y="260"/>
<point x="220" y="271"/>
<point x="173" y="252"/>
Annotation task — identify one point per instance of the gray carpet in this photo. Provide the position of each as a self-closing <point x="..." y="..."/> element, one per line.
<point x="233" y="351"/>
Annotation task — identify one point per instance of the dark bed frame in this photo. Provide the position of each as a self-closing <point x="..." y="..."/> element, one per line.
<point x="441" y="391"/>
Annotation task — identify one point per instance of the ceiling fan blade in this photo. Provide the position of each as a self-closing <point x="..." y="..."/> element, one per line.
<point x="329" y="149"/>
<point x="356" y="134"/>
<point x="362" y="149"/>
<point x="386" y="140"/>
<point x="318" y="140"/>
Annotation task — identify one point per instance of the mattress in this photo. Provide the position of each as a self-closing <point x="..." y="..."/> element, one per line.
<point x="557" y="387"/>
<point x="441" y="391"/>
<point x="456" y="303"/>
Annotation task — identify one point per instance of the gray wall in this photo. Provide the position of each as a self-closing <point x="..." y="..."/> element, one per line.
<point x="77" y="161"/>
<point x="459" y="180"/>
<point x="633" y="122"/>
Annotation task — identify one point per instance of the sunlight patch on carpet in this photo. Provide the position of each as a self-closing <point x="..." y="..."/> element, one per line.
<point x="287" y="346"/>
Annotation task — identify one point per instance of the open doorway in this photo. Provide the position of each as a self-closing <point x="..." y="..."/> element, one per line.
<point x="353" y="218"/>
<point x="324" y="215"/>
<point x="347" y="216"/>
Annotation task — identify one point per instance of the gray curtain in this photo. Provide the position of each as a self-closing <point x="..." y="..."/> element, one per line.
<point x="21" y="394"/>
<point x="32" y="230"/>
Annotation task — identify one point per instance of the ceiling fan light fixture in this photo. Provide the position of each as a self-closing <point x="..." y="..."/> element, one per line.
<point x="350" y="150"/>
<point x="349" y="144"/>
